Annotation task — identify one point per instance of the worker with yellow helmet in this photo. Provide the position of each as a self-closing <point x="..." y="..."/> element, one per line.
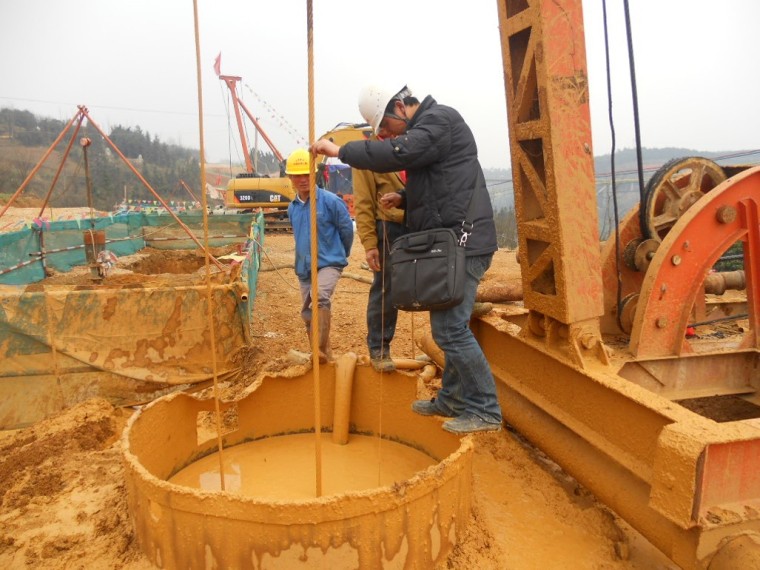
<point x="335" y="235"/>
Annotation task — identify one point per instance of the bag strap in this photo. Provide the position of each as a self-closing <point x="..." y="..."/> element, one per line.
<point x="467" y="224"/>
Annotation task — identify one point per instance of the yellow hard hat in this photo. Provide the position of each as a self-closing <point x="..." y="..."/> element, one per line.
<point x="298" y="162"/>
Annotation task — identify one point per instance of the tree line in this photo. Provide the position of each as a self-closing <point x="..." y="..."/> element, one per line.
<point x="24" y="137"/>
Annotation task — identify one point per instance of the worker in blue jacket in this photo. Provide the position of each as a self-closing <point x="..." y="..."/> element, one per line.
<point x="335" y="234"/>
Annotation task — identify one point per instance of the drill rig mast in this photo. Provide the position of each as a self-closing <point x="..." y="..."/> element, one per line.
<point x="607" y="388"/>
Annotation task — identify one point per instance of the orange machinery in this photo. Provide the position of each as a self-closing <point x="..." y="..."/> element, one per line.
<point x="597" y="369"/>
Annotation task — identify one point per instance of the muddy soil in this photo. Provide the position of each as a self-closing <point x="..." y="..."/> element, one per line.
<point x="63" y="501"/>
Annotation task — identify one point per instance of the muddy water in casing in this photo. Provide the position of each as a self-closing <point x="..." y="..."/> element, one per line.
<point x="283" y="467"/>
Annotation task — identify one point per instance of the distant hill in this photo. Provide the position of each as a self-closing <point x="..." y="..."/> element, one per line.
<point x="171" y="170"/>
<point x="25" y="137"/>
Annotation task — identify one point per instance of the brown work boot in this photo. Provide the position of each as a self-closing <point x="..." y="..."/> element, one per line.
<point x="324" y="335"/>
<point x="480" y="309"/>
<point x="323" y="358"/>
<point x="381" y="361"/>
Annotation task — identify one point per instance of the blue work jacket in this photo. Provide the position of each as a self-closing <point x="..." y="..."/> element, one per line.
<point x="334" y="228"/>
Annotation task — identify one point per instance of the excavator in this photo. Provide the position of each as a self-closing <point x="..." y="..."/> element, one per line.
<point x="632" y="363"/>
<point x="251" y="190"/>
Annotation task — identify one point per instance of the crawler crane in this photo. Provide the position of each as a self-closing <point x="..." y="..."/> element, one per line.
<point x="597" y="369"/>
<point x="250" y="190"/>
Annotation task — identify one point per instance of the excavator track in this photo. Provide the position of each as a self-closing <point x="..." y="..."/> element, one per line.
<point x="277" y="223"/>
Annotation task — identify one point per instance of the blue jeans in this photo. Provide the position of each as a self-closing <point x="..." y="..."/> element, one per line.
<point x="381" y="316"/>
<point x="468" y="386"/>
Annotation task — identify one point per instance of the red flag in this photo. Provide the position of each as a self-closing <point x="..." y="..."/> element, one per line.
<point x="218" y="64"/>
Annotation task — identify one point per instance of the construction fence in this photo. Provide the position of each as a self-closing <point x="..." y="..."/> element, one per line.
<point x="127" y="342"/>
<point x="26" y="253"/>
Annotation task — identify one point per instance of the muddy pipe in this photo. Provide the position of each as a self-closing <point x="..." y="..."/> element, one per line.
<point x="408" y="363"/>
<point x="719" y="283"/>
<point x="345" y="365"/>
<point x="428" y="373"/>
<point x="427" y="345"/>
<point x="241" y="290"/>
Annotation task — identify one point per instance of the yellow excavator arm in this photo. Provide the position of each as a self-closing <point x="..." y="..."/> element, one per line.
<point x="249" y="191"/>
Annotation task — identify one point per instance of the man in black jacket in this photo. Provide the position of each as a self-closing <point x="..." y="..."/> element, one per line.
<point x="438" y="151"/>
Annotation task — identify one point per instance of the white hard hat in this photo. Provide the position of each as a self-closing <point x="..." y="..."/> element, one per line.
<point x="373" y="99"/>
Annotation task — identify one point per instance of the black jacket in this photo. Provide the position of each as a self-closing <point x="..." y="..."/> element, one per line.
<point x="440" y="157"/>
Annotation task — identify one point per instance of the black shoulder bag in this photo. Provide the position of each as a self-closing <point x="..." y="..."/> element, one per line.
<point x="428" y="267"/>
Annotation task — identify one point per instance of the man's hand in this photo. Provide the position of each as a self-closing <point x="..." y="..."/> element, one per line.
<point x="325" y="147"/>
<point x="373" y="259"/>
<point x="390" y="200"/>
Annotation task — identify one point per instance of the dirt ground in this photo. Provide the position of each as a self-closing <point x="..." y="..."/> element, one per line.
<point x="63" y="500"/>
<point x="17" y="217"/>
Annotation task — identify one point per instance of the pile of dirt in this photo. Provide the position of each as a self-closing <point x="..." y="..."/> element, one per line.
<point x="62" y="495"/>
<point x="17" y="217"/>
<point x="62" y="482"/>
<point x="149" y="268"/>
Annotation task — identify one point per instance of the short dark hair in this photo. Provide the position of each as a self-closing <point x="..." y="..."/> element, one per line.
<point x="408" y="100"/>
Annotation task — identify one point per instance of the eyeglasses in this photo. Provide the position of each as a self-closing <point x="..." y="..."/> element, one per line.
<point x="384" y="123"/>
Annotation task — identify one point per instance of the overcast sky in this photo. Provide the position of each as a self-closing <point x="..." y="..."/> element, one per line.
<point x="134" y="63"/>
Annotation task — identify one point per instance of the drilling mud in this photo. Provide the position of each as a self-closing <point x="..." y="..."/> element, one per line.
<point x="397" y="495"/>
<point x="284" y="468"/>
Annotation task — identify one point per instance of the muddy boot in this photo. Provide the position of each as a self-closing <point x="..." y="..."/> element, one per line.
<point x="480" y="309"/>
<point x="308" y="332"/>
<point x="322" y="356"/>
<point x="324" y="335"/>
<point x="381" y="360"/>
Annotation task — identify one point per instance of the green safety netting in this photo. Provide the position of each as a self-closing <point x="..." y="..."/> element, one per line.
<point x="60" y="245"/>
<point x="60" y="344"/>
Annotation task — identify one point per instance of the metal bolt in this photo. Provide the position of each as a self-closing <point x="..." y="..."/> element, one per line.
<point x="725" y="214"/>
<point x="588" y="341"/>
<point x="663" y="290"/>
<point x="662" y="322"/>
<point x="676" y="260"/>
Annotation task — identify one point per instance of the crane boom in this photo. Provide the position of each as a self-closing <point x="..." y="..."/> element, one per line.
<point x="231" y="81"/>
